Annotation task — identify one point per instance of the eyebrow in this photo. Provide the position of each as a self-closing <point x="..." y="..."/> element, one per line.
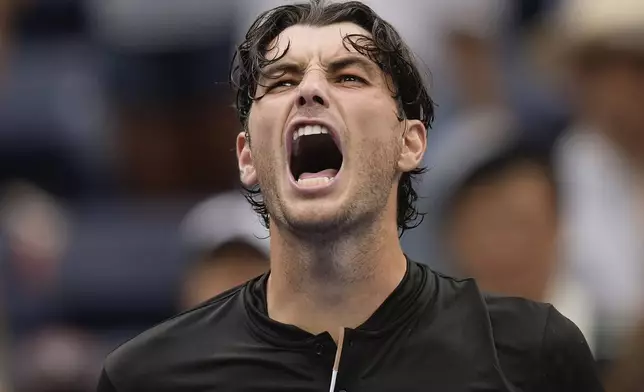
<point x="361" y="62"/>
<point x="282" y="67"/>
<point x="334" y="66"/>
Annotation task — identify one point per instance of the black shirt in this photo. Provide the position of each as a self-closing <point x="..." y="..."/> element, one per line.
<point x="433" y="333"/>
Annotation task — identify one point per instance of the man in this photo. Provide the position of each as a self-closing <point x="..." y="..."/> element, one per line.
<point x="599" y="51"/>
<point x="501" y="227"/>
<point x="335" y="118"/>
<point x="226" y="246"/>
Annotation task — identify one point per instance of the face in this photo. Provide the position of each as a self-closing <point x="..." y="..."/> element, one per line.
<point x="326" y="145"/>
<point x="503" y="233"/>
<point x="214" y="273"/>
<point x="610" y="89"/>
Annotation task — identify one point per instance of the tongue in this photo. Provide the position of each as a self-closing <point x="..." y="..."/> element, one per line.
<point x="324" y="173"/>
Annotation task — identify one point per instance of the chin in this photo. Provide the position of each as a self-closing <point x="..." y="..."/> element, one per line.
<point x="323" y="220"/>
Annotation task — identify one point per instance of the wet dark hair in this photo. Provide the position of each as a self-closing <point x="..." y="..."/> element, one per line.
<point x="386" y="49"/>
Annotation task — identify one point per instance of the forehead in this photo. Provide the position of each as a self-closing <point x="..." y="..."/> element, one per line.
<point x="306" y="43"/>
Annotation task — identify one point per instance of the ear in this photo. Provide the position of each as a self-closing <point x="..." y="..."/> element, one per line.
<point x="247" y="172"/>
<point x="414" y="143"/>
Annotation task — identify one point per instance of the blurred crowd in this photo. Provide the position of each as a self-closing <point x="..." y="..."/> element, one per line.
<point x="119" y="195"/>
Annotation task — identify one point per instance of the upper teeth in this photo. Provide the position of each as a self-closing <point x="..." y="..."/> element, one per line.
<point x="309" y="130"/>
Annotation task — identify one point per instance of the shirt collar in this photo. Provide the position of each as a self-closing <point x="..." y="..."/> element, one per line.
<point x="412" y="295"/>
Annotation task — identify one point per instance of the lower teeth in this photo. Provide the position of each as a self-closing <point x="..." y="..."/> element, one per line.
<point x="314" y="181"/>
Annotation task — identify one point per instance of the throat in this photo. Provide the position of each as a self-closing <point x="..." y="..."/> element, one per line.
<point x="342" y="285"/>
<point x="318" y="307"/>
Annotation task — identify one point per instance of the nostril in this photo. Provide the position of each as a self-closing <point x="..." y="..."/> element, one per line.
<point x="316" y="99"/>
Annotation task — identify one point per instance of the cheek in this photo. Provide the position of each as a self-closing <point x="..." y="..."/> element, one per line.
<point x="374" y="120"/>
<point x="273" y="108"/>
<point x="264" y="124"/>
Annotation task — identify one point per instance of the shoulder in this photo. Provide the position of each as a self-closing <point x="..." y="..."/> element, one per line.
<point x="536" y="344"/>
<point x="518" y="319"/>
<point x="530" y="325"/>
<point x="568" y="360"/>
<point x="518" y="327"/>
<point x="514" y="320"/>
<point x="180" y="338"/>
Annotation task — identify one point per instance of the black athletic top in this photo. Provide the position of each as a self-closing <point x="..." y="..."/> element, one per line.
<point x="434" y="333"/>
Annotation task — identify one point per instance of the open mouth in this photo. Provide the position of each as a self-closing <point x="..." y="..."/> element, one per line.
<point x="315" y="157"/>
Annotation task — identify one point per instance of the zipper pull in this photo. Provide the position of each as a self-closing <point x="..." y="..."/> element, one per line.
<point x="336" y="364"/>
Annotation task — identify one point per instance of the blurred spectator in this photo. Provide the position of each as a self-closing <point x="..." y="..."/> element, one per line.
<point x="5" y="30"/>
<point x="595" y="49"/>
<point x="41" y="20"/>
<point x="481" y="120"/>
<point x="166" y="76"/>
<point x="489" y="92"/>
<point x="121" y="273"/>
<point x="50" y="99"/>
<point x="173" y="124"/>
<point x="473" y="52"/>
<point x="57" y="360"/>
<point x="160" y="25"/>
<point x="35" y="230"/>
<point x="5" y="356"/>
<point x="227" y="246"/>
<point x="502" y="228"/>
<point x="626" y="375"/>
<point x="6" y="13"/>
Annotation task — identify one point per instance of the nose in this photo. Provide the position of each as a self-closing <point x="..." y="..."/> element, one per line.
<point x="312" y="91"/>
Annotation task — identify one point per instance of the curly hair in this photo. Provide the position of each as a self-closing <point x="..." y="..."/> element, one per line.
<point x="384" y="47"/>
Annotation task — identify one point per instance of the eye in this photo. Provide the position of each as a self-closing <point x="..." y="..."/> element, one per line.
<point x="351" y="79"/>
<point x="281" y="85"/>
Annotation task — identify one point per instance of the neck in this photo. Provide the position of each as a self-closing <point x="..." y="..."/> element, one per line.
<point x="327" y="284"/>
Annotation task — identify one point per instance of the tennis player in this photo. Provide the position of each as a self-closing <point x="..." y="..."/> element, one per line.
<point x="335" y="117"/>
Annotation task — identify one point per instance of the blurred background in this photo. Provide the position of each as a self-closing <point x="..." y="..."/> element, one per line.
<point x="119" y="198"/>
